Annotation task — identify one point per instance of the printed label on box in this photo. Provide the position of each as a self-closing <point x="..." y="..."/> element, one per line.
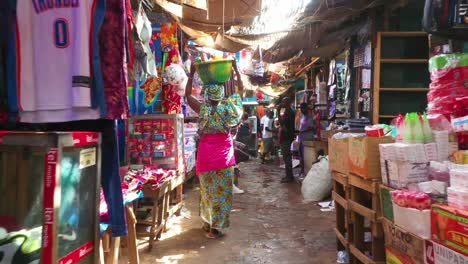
<point x="438" y="254"/>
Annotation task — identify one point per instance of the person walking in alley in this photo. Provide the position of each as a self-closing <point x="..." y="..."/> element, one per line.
<point x="286" y="136"/>
<point x="215" y="157"/>
<point x="307" y="130"/>
<point x="266" y="124"/>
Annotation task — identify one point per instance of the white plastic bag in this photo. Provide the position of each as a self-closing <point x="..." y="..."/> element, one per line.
<point x="317" y="185"/>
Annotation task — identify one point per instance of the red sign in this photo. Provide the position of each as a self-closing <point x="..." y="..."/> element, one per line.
<point x="78" y="254"/>
<point x="450" y="227"/>
<point x="85" y="138"/>
<point x="48" y="205"/>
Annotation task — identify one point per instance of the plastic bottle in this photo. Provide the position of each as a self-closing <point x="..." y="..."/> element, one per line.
<point x="418" y="133"/>
<point x="400" y="126"/>
<point x="428" y="138"/>
<point x="407" y="134"/>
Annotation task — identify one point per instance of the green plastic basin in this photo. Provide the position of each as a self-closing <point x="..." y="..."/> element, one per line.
<point x="215" y="71"/>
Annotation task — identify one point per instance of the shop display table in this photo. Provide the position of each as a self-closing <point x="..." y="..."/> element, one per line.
<point x="154" y="225"/>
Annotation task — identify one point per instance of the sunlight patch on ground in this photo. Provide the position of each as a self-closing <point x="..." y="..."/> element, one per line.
<point x="173" y="259"/>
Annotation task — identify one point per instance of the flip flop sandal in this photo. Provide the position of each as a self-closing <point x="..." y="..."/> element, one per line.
<point x="214" y="234"/>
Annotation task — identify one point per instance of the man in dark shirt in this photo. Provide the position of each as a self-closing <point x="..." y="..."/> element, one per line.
<point x="286" y="136"/>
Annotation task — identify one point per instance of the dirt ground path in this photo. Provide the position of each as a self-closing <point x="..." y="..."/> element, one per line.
<point x="270" y="223"/>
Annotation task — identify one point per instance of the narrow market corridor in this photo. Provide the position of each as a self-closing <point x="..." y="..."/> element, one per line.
<point x="270" y="223"/>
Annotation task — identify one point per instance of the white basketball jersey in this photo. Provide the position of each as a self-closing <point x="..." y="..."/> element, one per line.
<point x="54" y="38"/>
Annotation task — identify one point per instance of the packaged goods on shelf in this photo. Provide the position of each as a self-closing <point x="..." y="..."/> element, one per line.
<point x="442" y="140"/>
<point x="439" y="171"/>
<point x="411" y="199"/>
<point x="460" y="124"/>
<point x="458" y="198"/>
<point x="460" y="157"/>
<point x="415" y="221"/>
<point x="439" y="254"/>
<point x="406" y="152"/>
<point x="457" y="193"/>
<point x="411" y="211"/>
<point x="459" y="178"/>
<point x="449" y="227"/>
<point x="400" y="174"/>
<point x="448" y="74"/>
<point x="156" y="141"/>
<point x="436" y="189"/>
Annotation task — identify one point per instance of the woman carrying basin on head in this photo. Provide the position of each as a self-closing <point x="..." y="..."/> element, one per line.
<point x="215" y="157"/>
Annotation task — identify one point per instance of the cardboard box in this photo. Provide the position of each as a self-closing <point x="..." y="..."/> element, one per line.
<point x="386" y="202"/>
<point x="439" y="254"/>
<point x="449" y="227"/>
<point x="402" y="173"/>
<point x="394" y="257"/>
<point x="404" y="242"/>
<point x="415" y="221"/>
<point x="338" y="154"/>
<point x="364" y="157"/>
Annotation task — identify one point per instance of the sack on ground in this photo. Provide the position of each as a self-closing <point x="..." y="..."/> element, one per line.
<point x="317" y="185"/>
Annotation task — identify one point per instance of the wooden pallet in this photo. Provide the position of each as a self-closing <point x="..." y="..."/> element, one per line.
<point x="340" y="196"/>
<point x="364" y="206"/>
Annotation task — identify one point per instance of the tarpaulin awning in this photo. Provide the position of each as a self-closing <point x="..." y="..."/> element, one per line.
<point x="273" y="91"/>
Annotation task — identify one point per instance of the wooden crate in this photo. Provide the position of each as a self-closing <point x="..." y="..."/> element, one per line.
<point x="364" y="208"/>
<point x="340" y="195"/>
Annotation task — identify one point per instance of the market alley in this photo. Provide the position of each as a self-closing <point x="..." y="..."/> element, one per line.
<point x="269" y="224"/>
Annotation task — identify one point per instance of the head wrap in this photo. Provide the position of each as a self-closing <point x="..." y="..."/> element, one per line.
<point x="214" y="92"/>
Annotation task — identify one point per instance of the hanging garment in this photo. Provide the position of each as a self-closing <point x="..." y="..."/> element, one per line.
<point x="59" y="90"/>
<point x="145" y="31"/>
<point x="169" y="36"/>
<point x="7" y="9"/>
<point x="98" y="99"/>
<point x="156" y="38"/>
<point x="113" y="59"/>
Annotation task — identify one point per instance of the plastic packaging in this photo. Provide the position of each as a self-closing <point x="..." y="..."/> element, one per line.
<point x="439" y="172"/>
<point x="407" y="134"/>
<point x="342" y="257"/>
<point x="412" y="199"/>
<point x="426" y="128"/>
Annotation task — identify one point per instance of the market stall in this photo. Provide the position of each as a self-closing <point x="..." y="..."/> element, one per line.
<point x="404" y="202"/>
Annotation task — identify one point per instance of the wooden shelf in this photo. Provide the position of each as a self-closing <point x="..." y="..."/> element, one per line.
<point x="404" y="89"/>
<point x="387" y="116"/>
<point x="404" y="61"/>
<point x="403" y="34"/>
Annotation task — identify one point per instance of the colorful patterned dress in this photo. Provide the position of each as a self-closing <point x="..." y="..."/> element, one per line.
<point x="216" y="185"/>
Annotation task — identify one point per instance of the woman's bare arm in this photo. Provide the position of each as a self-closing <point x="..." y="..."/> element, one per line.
<point x="192" y="101"/>
<point x="240" y="85"/>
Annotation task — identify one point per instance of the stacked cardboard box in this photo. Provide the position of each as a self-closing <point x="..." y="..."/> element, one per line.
<point x="356" y="158"/>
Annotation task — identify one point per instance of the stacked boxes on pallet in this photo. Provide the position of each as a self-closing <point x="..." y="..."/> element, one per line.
<point x="354" y="161"/>
<point x="416" y="232"/>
